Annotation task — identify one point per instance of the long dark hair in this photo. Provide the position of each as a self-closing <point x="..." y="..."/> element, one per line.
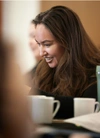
<point x="76" y="69"/>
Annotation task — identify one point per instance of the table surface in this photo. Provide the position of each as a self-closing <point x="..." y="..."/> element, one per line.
<point x="59" y="127"/>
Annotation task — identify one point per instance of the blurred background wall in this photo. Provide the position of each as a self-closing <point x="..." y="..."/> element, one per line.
<point x="88" y="11"/>
<point x="16" y="17"/>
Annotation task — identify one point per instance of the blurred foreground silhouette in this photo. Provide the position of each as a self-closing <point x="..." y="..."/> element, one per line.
<point x="15" y="120"/>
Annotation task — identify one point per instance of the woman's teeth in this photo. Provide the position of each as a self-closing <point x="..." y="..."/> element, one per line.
<point x="48" y="59"/>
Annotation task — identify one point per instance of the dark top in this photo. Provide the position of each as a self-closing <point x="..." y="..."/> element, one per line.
<point x="67" y="105"/>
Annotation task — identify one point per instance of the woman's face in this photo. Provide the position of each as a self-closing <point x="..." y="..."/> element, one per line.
<point x="49" y="48"/>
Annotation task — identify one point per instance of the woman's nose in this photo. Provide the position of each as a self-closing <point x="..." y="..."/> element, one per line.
<point x="42" y="51"/>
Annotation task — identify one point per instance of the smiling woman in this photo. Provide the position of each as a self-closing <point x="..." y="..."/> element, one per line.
<point x="69" y="58"/>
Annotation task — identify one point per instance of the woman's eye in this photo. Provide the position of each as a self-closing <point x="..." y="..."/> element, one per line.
<point x="47" y="45"/>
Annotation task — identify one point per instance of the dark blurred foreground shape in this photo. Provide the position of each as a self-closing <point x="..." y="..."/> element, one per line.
<point x="15" y="120"/>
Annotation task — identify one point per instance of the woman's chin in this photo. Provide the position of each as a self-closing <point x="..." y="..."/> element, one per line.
<point x="51" y="65"/>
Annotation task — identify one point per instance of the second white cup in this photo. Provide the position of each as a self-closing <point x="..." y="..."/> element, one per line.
<point x="84" y="106"/>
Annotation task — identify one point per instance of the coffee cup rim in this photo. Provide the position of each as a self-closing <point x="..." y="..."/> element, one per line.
<point x="82" y="98"/>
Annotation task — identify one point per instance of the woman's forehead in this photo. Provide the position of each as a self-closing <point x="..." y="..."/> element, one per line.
<point x="43" y="33"/>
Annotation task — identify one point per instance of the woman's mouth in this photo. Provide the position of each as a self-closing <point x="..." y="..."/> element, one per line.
<point x="48" y="59"/>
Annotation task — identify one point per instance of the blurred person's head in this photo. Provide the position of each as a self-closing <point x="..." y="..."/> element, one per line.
<point x="14" y="113"/>
<point x="32" y="43"/>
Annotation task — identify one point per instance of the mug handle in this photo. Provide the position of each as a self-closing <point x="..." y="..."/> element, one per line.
<point x="97" y="104"/>
<point x="57" y="107"/>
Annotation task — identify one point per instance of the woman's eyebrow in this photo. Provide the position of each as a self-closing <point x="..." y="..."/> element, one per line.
<point x="45" y="41"/>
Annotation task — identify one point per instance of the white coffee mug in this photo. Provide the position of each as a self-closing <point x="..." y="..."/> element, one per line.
<point x="84" y="106"/>
<point x="42" y="108"/>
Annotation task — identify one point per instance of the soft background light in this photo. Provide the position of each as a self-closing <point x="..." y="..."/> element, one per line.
<point x="16" y="19"/>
